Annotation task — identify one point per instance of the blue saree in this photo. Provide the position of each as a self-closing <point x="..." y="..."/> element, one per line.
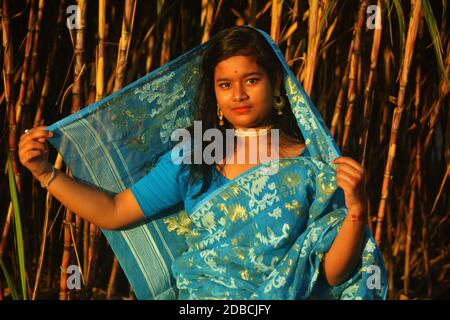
<point x="257" y="236"/>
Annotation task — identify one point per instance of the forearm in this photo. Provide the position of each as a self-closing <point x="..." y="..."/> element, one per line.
<point x="345" y="252"/>
<point x="90" y="204"/>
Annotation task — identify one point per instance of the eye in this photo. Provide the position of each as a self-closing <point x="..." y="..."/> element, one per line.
<point x="252" y="80"/>
<point x="224" y="85"/>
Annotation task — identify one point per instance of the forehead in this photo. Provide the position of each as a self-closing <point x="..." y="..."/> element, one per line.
<point x="236" y="66"/>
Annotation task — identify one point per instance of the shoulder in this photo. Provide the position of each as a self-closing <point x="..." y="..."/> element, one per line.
<point x="179" y="154"/>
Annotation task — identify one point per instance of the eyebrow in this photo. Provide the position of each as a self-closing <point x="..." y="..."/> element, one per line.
<point x="245" y="75"/>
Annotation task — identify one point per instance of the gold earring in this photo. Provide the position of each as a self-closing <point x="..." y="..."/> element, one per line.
<point x="220" y="115"/>
<point x="278" y="103"/>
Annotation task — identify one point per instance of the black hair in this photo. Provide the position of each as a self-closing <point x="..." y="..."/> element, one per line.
<point x="240" y="40"/>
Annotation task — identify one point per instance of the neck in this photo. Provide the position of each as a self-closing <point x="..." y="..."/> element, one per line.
<point x="253" y="132"/>
<point x="249" y="141"/>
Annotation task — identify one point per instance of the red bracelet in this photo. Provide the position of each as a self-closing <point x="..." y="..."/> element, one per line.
<point x="357" y="217"/>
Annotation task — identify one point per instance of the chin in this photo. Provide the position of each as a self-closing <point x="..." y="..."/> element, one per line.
<point x="244" y="124"/>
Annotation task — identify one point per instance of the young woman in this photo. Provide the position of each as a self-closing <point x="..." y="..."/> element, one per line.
<point x="292" y="234"/>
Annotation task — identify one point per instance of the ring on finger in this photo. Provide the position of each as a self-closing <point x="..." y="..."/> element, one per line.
<point x="27" y="131"/>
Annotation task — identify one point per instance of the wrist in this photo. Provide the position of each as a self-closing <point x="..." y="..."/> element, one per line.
<point x="45" y="175"/>
<point x="357" y="214"/>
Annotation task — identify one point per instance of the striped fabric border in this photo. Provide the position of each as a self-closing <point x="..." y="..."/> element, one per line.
<point x="145" y="252"/>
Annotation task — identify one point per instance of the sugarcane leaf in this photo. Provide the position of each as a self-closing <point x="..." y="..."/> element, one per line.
<point x="330" y="6"/>
<point x="435" y="36"/>
<point x="401" y="24"/>
<point x="9" y="281"/>
<point x="17" y="229"/>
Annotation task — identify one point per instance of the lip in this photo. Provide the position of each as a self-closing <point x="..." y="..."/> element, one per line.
<point x="242" y="109"/>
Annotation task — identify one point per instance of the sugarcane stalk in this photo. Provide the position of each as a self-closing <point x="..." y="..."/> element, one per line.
<point x="433" y="115"/>
<point x="424" y="220"/>
<point x="100" y="62"/>
<point x="91" y="230"/>
<point x="252" y="6"/>
<point x="165" y="45"/>
<point x="340" y="99"/>
<point x="409" y="230"/>
<point x="92" y="255"/>
<point x="110" y="291"/>
<point x="50" y="279"/>
<point x="125" y="38"/>
<point x="313" y="41"/>
<point x="85" y="247"/>
<point x="407" y="57"/>
<point x="26" y="120"/>
<point x="369" y="86"/>
<point x="48" y="205"/>
<point x="388" y="58"/>
<point x="418" y="160"/>
<point x="63" y="295"/>
<point x="289" y="39"/>
<point x="77" y="227"/>
<point x="79" y="67"/>
<point x="206" y="19"/>
<point x="352" y="77"/>
<point x="149" y="57"/>
<point x="277" y="9"/>
<point x="8" y="86"/>
<point x="6" y="228"/>
<point x="24" y="78"/>
<point x="38" y="121"/>
<point x="77" y="102"/>
<point x="390" y="267"/>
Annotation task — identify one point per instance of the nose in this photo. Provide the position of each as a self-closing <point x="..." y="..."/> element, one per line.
<point x="239" y="93"/>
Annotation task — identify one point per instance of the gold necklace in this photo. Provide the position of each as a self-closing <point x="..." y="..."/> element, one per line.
<point x="252" y="132"/>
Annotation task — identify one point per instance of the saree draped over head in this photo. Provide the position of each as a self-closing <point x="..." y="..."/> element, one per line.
<point x="257" y="236"/>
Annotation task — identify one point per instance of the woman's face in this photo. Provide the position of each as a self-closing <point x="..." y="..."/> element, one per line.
<point x="243" y="91"/>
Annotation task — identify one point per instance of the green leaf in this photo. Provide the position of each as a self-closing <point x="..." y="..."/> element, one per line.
<point x="401" y="24"/>
<point x="9" y="282"/>
<point x="18" y="229"/>
<point x="330" y="6"/>
<point x="435" y="36"/>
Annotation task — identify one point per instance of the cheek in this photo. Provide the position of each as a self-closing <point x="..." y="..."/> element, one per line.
<point x="218" y="95"/>
<point x="264" y="96"/>
<point x="222" y="97"/>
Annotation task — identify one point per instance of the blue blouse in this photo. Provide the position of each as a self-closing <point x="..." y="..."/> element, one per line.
<point x="161" y="188"/>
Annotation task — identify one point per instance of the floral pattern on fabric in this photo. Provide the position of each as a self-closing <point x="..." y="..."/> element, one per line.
<point x="264" y="236"/>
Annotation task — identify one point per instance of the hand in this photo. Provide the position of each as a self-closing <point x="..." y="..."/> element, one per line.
<point x="33" y="151"/>
<point x="350" y="176"/>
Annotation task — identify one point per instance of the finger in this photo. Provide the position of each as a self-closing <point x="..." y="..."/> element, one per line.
<point x="33" y="145"/>
<point x="349" y="170"/>
<point x="38" y="132"/>
<point x="344" y="184"/>
<point x="31" y="130"/>
<point x="32" y="154"/>
<point x="35" y="134"/>
<point x="348" y="161"/>
<point x="346" y="177"/>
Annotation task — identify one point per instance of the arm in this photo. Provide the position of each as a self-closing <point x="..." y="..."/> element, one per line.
<point x="90" y="204"/>
<point x="345" y="252"/>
